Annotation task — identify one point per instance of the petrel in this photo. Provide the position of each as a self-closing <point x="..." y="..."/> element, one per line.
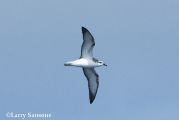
<point x="87" y="62"/>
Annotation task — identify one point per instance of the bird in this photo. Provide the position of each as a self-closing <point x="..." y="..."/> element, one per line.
<point x="87" y="62"/>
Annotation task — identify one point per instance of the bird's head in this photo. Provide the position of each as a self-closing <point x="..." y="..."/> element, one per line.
<point x="101" y="63"/>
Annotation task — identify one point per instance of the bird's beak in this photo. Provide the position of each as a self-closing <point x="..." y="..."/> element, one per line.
<point x="67" y="64"/>
<point x="105" y="64"/>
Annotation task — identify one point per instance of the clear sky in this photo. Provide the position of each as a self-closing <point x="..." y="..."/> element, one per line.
<point x="138" y="39"/>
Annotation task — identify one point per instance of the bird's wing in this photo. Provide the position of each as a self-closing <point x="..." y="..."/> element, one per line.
<point x="88" y="44"/>
<point x="93" y="82"/>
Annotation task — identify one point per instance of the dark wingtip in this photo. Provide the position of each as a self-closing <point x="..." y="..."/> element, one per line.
<point x="91" y="100"/>
<point x="91" y="97"/>
<point x="83" y="29"/>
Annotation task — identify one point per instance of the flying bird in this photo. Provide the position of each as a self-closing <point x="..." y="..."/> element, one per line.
<point x="87" y="62"/>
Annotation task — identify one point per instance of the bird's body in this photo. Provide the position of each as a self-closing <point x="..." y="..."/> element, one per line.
<point x="88" y="63"/>
<point x="83" y="62"/>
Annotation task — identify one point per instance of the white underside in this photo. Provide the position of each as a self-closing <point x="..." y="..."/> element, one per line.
<point x="83" y="62"/>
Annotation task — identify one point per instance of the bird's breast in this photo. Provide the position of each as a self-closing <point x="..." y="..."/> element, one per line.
<point x="83" y="63"/>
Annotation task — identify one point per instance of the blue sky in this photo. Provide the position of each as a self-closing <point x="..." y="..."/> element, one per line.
<point x="137" y="39"/>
